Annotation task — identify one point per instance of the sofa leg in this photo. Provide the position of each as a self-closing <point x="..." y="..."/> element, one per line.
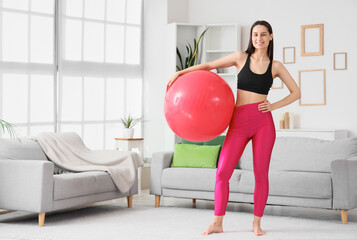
<point x="130" y="201"/>
<point x="157" y="201"/>
<point x="344" y="216"/>
<point x="41" y="219"/>
<point x="5" y="211"/>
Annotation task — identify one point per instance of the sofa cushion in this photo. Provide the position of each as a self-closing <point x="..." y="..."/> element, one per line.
<point x="27" y="149"/>
<point x="81" y="184"/>
<point x="195" y="156"/>
<point x="215" y="141"/>
<point x="198" y="179"/>
<point x="291" y="184"/>
<point x="189" y="142"/>
<point x="304" y="154"/>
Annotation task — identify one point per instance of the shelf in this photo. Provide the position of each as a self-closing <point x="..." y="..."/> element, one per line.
<point x="220" y="40"/>
<point x="227" y="74"/>
<point x="309" y="130"/>
<point x="325" y="134"/>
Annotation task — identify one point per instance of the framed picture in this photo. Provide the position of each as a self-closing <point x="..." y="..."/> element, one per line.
<point x="288" y="55"/>
<point x="277" y="84"/>
<point x="340" y="61"/>
<point x="312" y="40"/>
<point x="312" y="85"/>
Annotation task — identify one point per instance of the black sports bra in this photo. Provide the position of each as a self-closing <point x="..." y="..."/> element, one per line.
<point x="253" y="82"/>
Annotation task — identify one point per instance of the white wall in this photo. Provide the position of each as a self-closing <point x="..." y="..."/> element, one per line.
<point x="154" y="76"/>
<point x="157" y="13"/>
<point x="177" y="11"/>
<point x="286" y="18"/>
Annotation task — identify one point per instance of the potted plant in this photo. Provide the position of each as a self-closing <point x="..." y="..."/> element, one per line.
<point x="128" y="123"/>
<point x="192" y="55"/>
<point x="8" y="127"/>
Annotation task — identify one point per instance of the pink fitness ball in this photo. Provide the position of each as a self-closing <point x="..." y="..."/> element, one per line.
<point x="199" y="106"/>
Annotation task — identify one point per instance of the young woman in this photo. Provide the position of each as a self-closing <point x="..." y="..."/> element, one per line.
<point x="251" y="120"/>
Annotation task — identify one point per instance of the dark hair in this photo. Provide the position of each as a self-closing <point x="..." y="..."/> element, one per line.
<point x="251" y="48"/>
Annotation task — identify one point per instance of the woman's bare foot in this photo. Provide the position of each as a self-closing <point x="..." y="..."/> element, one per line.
<point x="215" y="227"/>
<point x="256" y="227"/>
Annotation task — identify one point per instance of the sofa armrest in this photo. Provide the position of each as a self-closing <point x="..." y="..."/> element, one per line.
<point x="159" y="162"/>
<point x="26" y="185"/>
<point x="344" y="184"/>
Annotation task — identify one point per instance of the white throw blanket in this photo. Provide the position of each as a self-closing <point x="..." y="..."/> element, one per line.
<point x="68" y="151"/>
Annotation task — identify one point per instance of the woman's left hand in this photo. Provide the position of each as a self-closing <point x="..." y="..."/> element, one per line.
<point x="265" y="107"/>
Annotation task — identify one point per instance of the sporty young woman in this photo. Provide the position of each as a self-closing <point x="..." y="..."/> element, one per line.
<point x="251" y="120"/>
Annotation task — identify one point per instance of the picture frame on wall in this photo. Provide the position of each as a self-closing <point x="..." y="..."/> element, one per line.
<point x="312" y="40"/>
<point x="288" y="55"/>
<point x="277" y="83"/>
<point x="340" y="61"/>
<point x="312" y="84"/>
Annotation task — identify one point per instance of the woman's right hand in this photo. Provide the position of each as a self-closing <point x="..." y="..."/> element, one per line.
<point x="172" y="80"/>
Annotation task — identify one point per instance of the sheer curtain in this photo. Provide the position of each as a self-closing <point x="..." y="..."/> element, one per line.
<point x="27" y="69"/>
<point x="93" y="73"/>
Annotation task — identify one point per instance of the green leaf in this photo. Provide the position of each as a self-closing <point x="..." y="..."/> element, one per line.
<point x="192" y="54"/>
<point x="186" y="62"/>
<point x="199" y="39"/>
<point x="2" y="126"/>
<point x="129" y="122"/>
<point x="179" y="56"/>
<point x="8" y="127"/>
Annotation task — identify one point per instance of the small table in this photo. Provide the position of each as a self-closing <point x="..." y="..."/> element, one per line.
<point x="128" y="144"/>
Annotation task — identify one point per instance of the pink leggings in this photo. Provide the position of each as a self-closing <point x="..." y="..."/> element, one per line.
<point x="247" y="123"/>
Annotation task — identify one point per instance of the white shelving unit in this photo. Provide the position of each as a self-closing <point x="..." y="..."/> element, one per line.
<point x="325" y="134"/>
<point x="222" y="40"/>
<point x="219" y="41"/>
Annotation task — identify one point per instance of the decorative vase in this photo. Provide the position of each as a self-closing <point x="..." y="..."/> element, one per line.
<point x="287" y="120"/>
<point x="128" y="132"/>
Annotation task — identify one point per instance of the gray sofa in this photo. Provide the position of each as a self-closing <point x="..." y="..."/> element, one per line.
<point x="304" y="172"/>
<point x="29" y="182"/>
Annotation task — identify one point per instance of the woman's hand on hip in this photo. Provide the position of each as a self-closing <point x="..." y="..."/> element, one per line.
<point x="265" y="107"/>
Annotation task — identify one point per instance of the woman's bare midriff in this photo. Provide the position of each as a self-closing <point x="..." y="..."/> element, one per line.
<point x="247" y="97"/>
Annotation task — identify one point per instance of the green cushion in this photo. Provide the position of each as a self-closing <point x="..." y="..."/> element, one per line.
<point x="195" y="156"/>
<point x="216" y="141"/>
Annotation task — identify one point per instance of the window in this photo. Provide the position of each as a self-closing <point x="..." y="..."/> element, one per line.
<point x="27" y="67"/>
<point x="84" y="79"/>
